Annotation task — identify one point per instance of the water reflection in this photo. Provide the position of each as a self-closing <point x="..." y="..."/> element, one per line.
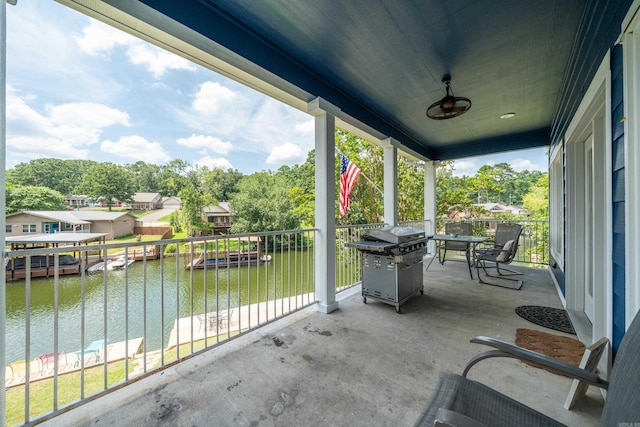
<point x="136" y="302"/>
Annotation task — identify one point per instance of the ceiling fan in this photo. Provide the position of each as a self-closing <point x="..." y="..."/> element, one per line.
<point x="450" y="106"/>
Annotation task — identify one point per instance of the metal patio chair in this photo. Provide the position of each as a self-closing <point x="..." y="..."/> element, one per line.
<point x="459" y="401"/>
<point x="460" y="228"/>
<point x="500" y="251"/>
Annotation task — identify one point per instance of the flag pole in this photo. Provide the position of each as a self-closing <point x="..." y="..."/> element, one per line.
<point x="363" y="175"/>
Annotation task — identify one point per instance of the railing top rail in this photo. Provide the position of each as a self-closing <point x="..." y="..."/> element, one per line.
<point x="377" y="224"/>
<point x="93" y="246"/>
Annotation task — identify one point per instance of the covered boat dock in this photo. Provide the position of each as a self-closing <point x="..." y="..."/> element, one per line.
<point x="15" y="263"/>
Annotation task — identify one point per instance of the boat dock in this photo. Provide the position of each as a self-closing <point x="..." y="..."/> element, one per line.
<point x="224" y="323"/>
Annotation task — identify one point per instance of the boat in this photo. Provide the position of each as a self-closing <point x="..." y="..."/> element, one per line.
<point x="121" y="262"/>
<point x="41" y="266"/>
<point x="231" y="259"/>
<point x="100" y="266"/>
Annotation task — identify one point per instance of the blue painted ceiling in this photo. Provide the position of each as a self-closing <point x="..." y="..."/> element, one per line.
<point x="382" y="62"/>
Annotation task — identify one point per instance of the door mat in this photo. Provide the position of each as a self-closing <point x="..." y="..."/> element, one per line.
<point x="548" y="317"/>
<point x="567" y="349"/>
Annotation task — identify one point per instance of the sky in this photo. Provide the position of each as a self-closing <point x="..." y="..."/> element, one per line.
<point x="80" y="89"/>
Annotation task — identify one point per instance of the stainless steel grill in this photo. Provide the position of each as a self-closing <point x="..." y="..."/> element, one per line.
<point x="392" y="263"/>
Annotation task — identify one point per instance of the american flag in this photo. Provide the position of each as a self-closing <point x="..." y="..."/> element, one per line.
<point x="349" y="172"/>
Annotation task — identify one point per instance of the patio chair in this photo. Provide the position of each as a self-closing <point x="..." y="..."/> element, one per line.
<point x="202" y="318"/>
<point x="500" y="251"/>
<point x="223" y="319"/>
<point x="19" y="369"/>
<point x="460" y="228"/>
<point x="47" y="361"/>
<point x="475" y="404"/>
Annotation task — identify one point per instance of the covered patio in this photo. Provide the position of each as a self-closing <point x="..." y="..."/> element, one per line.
<point x="550" y="73"/>
<point x="362" y="365"/>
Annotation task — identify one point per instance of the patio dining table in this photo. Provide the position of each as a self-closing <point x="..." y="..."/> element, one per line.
<point x="470" y="241"/>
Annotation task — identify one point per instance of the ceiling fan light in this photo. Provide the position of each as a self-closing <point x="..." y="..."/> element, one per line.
<point x="450" y="106"/>
<point x="447" y="103"/>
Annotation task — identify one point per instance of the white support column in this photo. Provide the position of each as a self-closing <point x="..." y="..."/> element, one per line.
<point x="430" y="200"/>
<point x="390" y="181"/>
<point x="3" y="154"/>
<point x="325" y="241"/>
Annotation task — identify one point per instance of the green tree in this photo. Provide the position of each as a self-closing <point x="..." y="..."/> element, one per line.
<point x="146" y="177"/>
<point x="262" y="203"/>
<point x="194" y="200"/>
<point x="536" y="202"/>
<point x="452" y="192"/>
<point x="62" y="176"/>
<point x="520" y="184"/>
<point x="487" y="182"/>
<point x="222" y="183"/>
<point x="410" y="190"/>
<point x="108" y="182"/>
<point x="301" y="180"/>
<point x="31" y="198"/>
<point x="173" y="177"/>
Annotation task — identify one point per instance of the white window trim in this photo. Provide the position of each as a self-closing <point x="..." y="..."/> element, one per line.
<point x="593" y="115"/>
<point x="631" y="71"/>
<point x="556" y="208"/>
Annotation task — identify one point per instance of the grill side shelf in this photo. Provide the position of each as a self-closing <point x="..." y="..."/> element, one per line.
<point x="371" y="246"/>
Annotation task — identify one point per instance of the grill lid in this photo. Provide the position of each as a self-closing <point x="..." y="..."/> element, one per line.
<point x="396" y="235"/>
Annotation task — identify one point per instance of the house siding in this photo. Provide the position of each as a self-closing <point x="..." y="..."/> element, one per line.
<point x="115" y="228"/>
<point x="618" y="196"/>
<point x="17" y="221"/>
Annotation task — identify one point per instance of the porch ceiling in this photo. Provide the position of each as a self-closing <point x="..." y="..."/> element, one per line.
<point x="382" y="62"/>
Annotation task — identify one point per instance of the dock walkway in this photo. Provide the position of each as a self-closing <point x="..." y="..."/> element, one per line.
<point x="224" y="323"/>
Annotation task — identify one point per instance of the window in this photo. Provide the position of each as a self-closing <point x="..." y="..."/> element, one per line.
<point x="28" y="228"/>
<point x="8" y="228"/>
<point x="556" y="208"/>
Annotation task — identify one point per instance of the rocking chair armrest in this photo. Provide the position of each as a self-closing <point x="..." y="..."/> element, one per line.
<point x="487" y="244"/>
<point x="505" y="349"/>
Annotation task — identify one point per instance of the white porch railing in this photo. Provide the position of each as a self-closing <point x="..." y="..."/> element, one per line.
<point x="72" y="334"/>
<point x="533" y="249"/>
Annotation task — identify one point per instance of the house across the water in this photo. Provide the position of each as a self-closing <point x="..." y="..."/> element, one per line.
<point x="112" y="224"/>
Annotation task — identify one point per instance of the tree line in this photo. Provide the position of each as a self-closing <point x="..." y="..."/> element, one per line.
<point x="271" y="200"/>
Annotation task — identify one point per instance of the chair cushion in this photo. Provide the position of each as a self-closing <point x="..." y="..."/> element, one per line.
<point x="506" y="252"/>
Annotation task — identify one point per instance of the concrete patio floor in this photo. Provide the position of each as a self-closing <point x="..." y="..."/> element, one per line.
<point x="362" y="365"/>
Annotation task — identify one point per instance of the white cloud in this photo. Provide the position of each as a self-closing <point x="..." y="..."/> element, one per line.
<point x="30" y="147"/>
<point x="156" y="60"/>
<point x="212" y="98"/>
<point x="136" y="148"/>
<point x="210" y="143"/>
<point x="306" y="128"/>
<point x="43" y="56"/>
<point x="62" y="131"/>
<point x="254" y="123"/>
<point x="286" y="153"/>
<point x="88" y="114"/>
<point x="466" y="167"/>
<point x="99" y="39"/>
<point x="213" y="163"/>
<point x="520" y="165"/>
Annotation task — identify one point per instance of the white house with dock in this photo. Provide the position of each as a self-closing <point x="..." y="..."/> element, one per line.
<point x="112" y="224"/>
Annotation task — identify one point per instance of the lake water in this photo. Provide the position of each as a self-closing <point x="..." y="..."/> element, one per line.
<point x="156" y="297"/>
